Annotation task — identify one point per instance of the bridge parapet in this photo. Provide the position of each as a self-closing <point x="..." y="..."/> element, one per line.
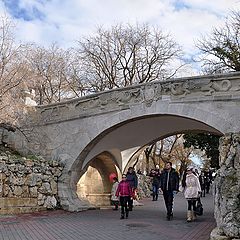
<point x="192" y="89"/>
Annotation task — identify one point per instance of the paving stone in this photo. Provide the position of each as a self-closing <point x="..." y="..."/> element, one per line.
<point x="147" y="222"/>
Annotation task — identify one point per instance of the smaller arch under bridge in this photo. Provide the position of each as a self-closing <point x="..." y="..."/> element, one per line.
<point x="77" y="131"/>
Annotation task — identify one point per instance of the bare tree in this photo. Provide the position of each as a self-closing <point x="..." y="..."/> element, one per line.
<point x="167" y="149"/>
<point x="147" y="153"/>
<point x="221" y="49"/>
<point x="126" y="55"/>
<point x="54" y="74"/>
<point x="13" y="72"/>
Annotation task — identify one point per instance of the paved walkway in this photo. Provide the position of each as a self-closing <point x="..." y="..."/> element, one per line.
<point x="146" y="222"/>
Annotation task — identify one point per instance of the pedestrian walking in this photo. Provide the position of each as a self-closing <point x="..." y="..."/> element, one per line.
<point x="169" y="185"/>
<point x="208" y="176"/>
<point x="133" y="182"/>
<point x="191" y="189"/>
<point x="196" y="172"/>
<point x="114" y="198"/>
<point x="202" y="180"/>
<point x="155" y="174"/>
<point x="124" y="191"/>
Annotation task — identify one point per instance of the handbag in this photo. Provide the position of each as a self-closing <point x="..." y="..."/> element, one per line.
<point x="199" y="208"/>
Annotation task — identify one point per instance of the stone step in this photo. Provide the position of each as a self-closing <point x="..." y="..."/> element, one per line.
<point x="17" y="210"/>
<point x="18" y="202"/>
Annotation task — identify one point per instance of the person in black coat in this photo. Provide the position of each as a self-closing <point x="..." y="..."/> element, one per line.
<point x="133" y="181"/>
<point x="208" y="177"/>
<point x="169" y="185"/>
<point x="202" y="180"/>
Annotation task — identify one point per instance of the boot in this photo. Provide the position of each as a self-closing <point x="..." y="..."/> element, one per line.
<point x="127" y="214"/>
<point x="189" y="216"/>
<point x="122" y="216"/>
<point x="156" y="198"/>
<point x="194" y="216"/>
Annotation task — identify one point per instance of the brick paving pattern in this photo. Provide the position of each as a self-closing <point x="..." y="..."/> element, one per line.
<point x="146" y="222"/>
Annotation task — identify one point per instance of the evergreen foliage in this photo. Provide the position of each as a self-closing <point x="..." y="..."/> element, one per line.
<point x="206" y="142"/>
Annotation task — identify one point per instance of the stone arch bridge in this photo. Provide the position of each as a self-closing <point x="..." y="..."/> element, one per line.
<point x="80" y="130"/>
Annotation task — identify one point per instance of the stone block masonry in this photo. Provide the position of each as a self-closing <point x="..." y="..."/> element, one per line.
<point x="27" y="184"/>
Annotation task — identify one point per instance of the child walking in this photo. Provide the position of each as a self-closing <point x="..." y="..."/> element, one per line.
<point x="114" y="198"/>
<point x="124" y="191"/>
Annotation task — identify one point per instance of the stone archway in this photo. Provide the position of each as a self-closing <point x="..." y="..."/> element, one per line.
<point x="115" y="139"/>
<point x="94" y="185"/>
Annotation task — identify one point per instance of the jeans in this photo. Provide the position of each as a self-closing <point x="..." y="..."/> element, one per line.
<point x="155" y="191"/>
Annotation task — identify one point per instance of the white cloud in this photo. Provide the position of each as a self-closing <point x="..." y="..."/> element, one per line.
<point x="188" y="25"/>
<point x="65" y="21"/>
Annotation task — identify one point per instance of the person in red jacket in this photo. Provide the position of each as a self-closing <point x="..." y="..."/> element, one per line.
<point x="124" y="191"/>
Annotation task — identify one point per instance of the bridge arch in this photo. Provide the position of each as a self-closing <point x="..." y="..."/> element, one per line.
<point x="139" y="131"/>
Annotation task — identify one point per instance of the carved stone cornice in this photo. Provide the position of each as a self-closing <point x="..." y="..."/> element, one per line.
<point x="182" y="89"/>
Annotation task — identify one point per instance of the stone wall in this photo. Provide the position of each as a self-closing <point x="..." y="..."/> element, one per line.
<point x="27" y="184"/>
<point x="144" y="186"/>
<point x="227" y="189"/>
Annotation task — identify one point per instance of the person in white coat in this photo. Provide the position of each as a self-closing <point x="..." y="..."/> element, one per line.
<point x="114" y="198"/>
<point x="192" y="190"/>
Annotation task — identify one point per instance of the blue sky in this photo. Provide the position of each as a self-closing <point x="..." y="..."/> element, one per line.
<point x="65" y="21"/>
<point x="18" y="10"/>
